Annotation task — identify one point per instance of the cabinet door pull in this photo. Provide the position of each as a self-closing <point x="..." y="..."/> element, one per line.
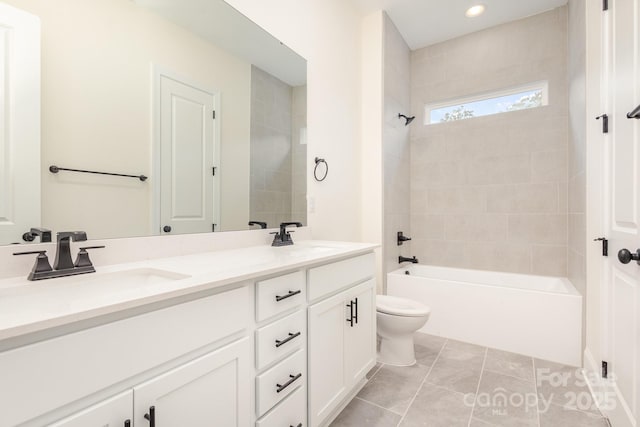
<point x="355" y="303"/>
<point x="299" y="425"/>
<point x="286" y="340"/>
<point x="127" y="423"/>
<point x="151" y="416"/>
<point x="351" y="318"/>
<point x="293" y="378"/>
<point x="289" y="295"/>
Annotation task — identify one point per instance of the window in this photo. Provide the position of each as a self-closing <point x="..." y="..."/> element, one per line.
<point x="520" y="98"/>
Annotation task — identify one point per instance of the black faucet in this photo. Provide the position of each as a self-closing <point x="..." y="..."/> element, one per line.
<point x="283" y="238"/>
<point x="63" y="253"/>
<point x="30" y="236"/>
<point x="262" y="225"/>
<point x="402" y="238"/>
<point x="402" y="259"/>
<point x="63" y="265"/>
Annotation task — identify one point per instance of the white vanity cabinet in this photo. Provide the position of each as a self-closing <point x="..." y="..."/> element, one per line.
<point x="341" y="335"/>
<point x="287" y="348"/>
<point x="213" y="390"/>
<point x="114" y="412"/>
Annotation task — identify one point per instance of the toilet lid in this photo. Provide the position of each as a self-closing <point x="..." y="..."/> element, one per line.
<point x="400" y="306"/>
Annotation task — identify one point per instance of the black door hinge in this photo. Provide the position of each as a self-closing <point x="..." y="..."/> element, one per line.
<point x="605" y="122"/>
<point x="214" y="114"/>
<point x="605" y="245"/>
<point x="605" y="369"/>
<point x="605" y="4"/>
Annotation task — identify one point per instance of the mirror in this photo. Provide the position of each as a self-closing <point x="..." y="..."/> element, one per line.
<point x="189" y="94"/>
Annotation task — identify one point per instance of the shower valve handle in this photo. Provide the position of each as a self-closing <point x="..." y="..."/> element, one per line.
<point x="625" y="256"/>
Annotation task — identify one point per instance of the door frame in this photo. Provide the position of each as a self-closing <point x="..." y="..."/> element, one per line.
<point x="598" y="212"/>
<point x="157" y="72"/>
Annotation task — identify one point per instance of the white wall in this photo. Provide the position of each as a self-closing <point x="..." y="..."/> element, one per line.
<point x="372" y="224"/>
<point x="327" y="34"/>
<point x="96" y="112"/>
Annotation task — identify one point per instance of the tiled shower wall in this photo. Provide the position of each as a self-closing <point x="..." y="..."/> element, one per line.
<point x="397" y="99"/>
<point x="278" y="111"/>
<point x="491" y="192"/>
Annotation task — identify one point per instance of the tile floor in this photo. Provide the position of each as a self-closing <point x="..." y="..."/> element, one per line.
<point x="460" y="384"/>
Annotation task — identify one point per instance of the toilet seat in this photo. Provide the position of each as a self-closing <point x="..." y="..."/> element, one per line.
<point x="396" y="306"/>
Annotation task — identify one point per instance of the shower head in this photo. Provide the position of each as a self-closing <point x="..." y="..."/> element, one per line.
<point x="407" y="119"/>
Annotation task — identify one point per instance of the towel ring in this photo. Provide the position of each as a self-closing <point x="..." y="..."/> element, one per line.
<point x="315" y="169"/>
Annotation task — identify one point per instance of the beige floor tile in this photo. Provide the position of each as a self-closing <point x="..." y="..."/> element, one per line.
<point x="458" y="367"/>
<point x="515" y="365"/>
<point x="359" y="413"/>
<point x="557" y="416"/>
<point x="438" y="407"/>
<point x="394" y="387"/>
<point x="506" y="401"/>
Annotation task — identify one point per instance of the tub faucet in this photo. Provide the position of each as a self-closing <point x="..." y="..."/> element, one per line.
<point x="402" y="259"/>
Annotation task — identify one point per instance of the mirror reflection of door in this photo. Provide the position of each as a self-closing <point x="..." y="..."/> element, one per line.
<point x="188" y="200"/>
<point x="19" y="123"/>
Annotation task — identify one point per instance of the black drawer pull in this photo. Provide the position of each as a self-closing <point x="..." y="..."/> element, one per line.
<point x="299" y="425"/>
<point x="351" y="316"/>
<point x="151" y="416"/>
<point x="355" y="303"/>
<point x="289" y="295"/>
<point x="286" y="340"/>
<point x="279" y="387"/>
<point x="127" y="423"/>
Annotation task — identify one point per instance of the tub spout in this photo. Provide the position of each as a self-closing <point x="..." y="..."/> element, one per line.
<point x="402" y="259"/>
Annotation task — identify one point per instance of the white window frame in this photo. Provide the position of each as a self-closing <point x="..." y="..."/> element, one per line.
<point x="542" y="85"/>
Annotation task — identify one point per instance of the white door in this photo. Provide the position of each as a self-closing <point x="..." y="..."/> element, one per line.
<point x="360" y="345"/>
<point x="187" y="147"/>
<point x="622" y="219"/>
<point x="211" y="391"/>
<point x="326" y="343"/>
<point x="19" y="123"/>
<point x="114" y="412"/>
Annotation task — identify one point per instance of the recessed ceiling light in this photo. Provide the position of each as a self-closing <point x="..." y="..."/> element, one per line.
<point x="474" y="11"/>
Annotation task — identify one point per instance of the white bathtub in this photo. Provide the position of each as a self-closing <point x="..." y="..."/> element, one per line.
<point x="537" y="316"/>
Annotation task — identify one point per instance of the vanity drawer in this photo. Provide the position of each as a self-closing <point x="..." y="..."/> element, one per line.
<point x="329" y="278"/>
<point x="52" y="373"/>
<point x="279" y="294"/>
<point x="290" y="412"/>
<point x="280" y="338"/>
<point x="279" y="381"/>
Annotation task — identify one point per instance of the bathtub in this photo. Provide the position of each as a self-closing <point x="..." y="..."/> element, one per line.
<point x="536" y="316"/>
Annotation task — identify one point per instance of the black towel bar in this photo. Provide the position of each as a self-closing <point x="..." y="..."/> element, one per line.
<point x="635" y="114"/>
<point x="56" y="169"/>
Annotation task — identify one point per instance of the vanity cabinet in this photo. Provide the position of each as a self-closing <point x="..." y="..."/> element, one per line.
<point x="341" y="335"/>
<point x="279" y="350"/>
<point x="212" y="390"/>
<point x="114" y="412"/>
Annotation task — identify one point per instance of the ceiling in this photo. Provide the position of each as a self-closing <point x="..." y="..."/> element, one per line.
<point x="425" y="22"/>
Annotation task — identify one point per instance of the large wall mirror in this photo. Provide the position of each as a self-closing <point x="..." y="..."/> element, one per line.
<point x="202" y="107"/>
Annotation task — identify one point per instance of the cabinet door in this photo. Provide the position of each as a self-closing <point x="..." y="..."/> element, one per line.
<point x="326" y="342"/>
<point x="213" y="391"/>
<point x="113" y="412"/>
<point x="360" y="339"/>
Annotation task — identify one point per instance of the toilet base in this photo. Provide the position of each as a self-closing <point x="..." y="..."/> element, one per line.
<point x="397" y="351"/>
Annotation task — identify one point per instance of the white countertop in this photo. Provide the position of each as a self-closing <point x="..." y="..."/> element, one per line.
<point x="27" y="307"/>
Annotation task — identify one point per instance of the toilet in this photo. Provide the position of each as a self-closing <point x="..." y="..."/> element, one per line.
<point x="398" y="318"/>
